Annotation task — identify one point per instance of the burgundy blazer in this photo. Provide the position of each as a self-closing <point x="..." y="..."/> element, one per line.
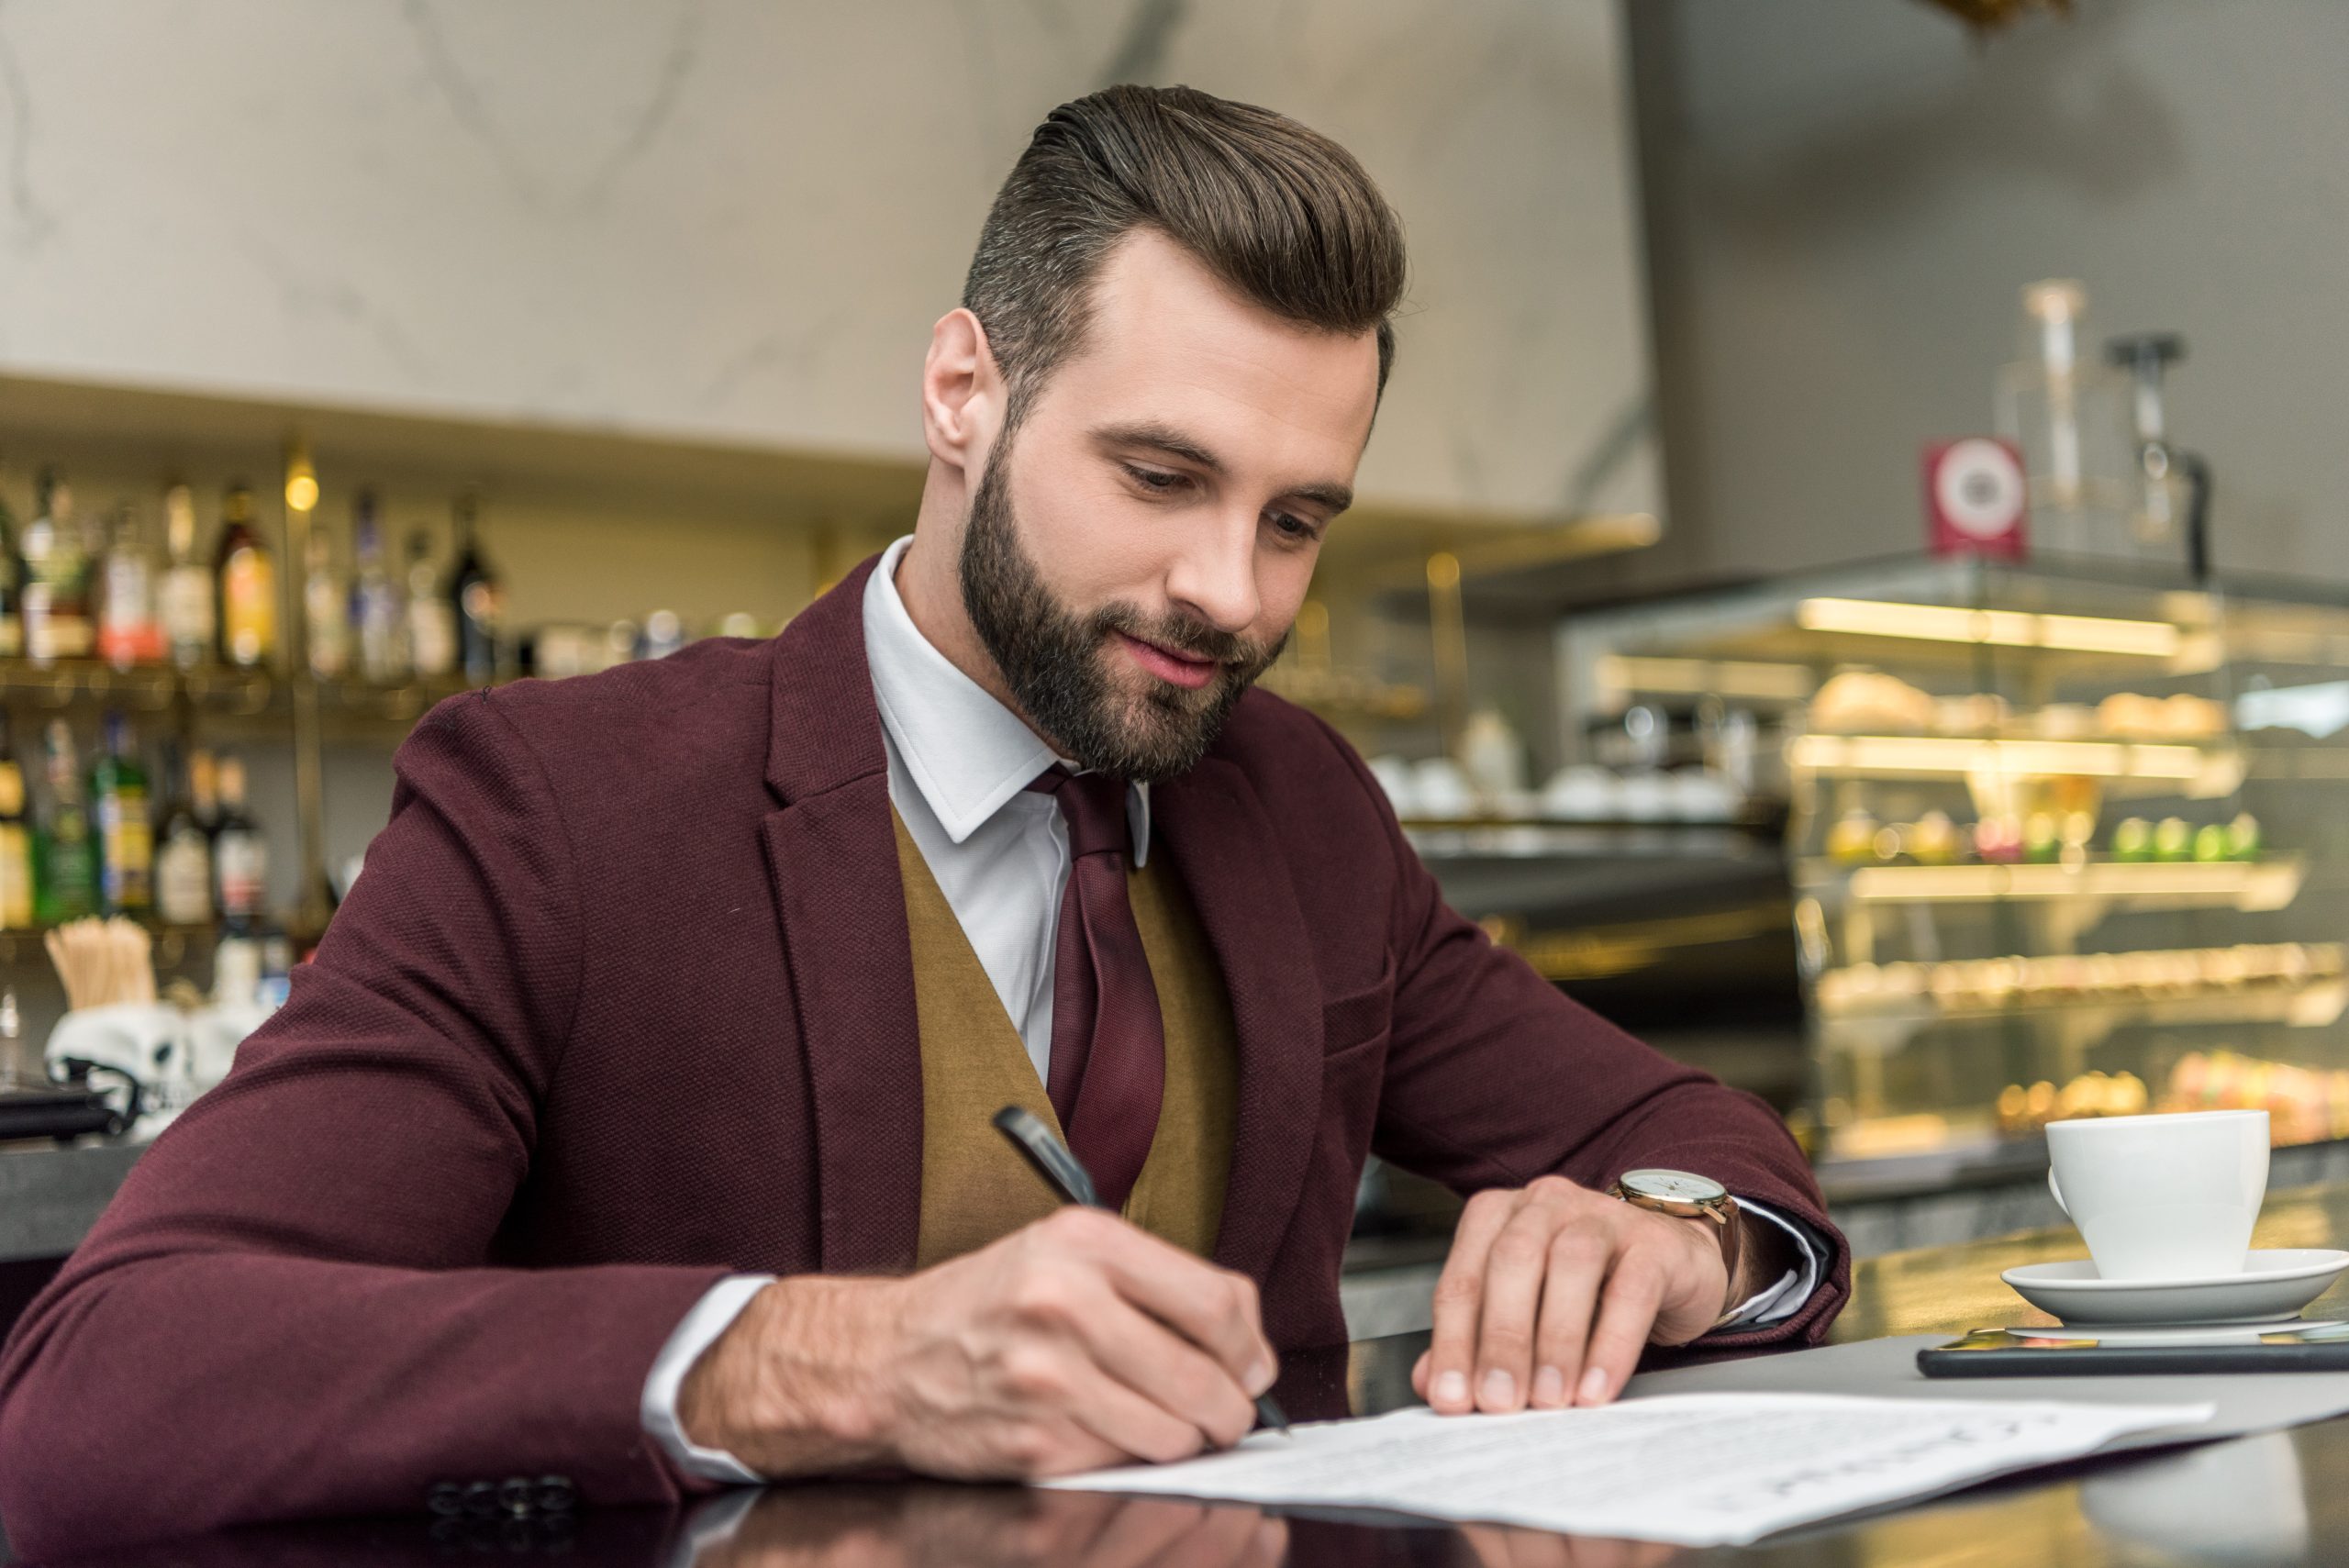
<point x="624" y="1003"/>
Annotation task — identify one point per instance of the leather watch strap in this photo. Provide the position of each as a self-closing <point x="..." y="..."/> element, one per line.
<point x="1732" y="1227"/>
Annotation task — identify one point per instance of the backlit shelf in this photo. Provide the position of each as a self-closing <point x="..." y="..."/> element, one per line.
<point x="2198" y="771"/>
<point x="2306" y="1004"/>
<point x="2248" y="886"/>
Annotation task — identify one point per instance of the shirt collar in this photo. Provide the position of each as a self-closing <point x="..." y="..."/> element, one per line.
<point x="965" y="751"/>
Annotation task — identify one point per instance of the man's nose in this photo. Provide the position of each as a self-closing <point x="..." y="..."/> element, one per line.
<point x="1215" y="574"/>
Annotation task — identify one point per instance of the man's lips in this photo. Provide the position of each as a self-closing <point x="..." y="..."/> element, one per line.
<point x="1178" y="669"/>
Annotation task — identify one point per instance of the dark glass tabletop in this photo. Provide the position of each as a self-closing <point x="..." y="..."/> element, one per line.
<point x="2273" y="1499"/>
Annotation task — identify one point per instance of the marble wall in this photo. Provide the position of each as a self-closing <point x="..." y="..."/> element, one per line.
<point x="736" y="219"/>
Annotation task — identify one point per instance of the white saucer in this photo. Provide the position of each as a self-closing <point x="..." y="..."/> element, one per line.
<point x="2273" y="1286"/>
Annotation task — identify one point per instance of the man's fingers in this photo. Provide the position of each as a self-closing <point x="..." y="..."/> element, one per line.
<point x="1513" y="1296"/>
<point x="1626" y="1313"/>
<point x="1150" y="1359"/>
<point x="1577" y="1265"/>
<point x="1214" y="1308"/>
<point x="1134" y="1427"/>
<point x="1459" y="1298"/>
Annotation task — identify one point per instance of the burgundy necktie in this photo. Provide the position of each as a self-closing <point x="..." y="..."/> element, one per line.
<point x="1109" y="1065"/>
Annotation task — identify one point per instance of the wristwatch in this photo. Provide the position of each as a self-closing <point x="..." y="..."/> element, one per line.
<point x="1687" y="1196"/>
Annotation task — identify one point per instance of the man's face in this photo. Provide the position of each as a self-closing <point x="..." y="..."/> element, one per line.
<point x="1138" y="546"/>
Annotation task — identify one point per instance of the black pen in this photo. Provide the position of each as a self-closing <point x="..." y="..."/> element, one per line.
<point x="1060" y="1168"/>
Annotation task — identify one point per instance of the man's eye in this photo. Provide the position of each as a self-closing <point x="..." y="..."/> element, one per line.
<point x="1155" y="479"/>
<point x="1292" y="528"/>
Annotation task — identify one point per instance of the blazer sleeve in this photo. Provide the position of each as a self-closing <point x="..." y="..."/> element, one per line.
<point x="291" y="1308"/>
<point x="1495" y="1076"/>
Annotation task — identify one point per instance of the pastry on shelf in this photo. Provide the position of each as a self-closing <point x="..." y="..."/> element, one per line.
<point x="2064" y="721"/>
<point x="2304" y="1104"/>
<point x="1863" y="701"/>
<point x="1979" y="713"/>
<point x="2132" y="716"/>
<point x="2098" y="1093"/>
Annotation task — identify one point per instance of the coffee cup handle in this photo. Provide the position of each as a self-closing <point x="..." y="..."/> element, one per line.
<point x="2058" y="1193"/>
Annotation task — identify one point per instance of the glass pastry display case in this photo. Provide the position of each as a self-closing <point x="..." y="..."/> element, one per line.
<point x="2058" y="845"/>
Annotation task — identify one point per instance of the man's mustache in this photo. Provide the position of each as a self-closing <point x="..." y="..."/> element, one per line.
<point x="1184" y="635"/>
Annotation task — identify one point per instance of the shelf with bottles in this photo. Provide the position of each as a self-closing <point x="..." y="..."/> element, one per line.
<point x="182" y="860"/>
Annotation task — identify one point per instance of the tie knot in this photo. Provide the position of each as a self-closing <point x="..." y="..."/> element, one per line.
<point x="1095" y="806"/>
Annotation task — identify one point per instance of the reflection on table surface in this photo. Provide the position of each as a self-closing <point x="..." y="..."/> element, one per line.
<point x="2274" y="1498"/>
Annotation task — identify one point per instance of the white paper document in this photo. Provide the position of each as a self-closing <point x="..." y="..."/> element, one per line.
<point x="1694" y="1469"/>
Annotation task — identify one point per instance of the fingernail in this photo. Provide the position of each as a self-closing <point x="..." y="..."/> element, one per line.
<point x="1594" y="1386"/>
<point x="1549" y="1386"/>
<point x="1259" y="1378"/>
<point x="1451" y="1388"/>
<point x="1500" y="1390"/>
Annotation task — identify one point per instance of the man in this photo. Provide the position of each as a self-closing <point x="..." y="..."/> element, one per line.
<point x="632" y="1124"/>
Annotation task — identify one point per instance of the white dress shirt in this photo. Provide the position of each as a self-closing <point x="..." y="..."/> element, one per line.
<point x="960" y="763"/>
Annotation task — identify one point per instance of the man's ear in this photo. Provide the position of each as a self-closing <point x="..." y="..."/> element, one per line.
<point x="961" y="391"/>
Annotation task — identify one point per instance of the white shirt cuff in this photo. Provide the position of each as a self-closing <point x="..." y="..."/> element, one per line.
<point x="710" y="1317"/>
<point x="1785" y="1298"/>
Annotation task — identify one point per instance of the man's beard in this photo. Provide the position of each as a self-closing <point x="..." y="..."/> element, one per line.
<point x="1057" y="662"/>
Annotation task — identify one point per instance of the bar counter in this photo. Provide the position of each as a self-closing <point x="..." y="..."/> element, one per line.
<point x="2270" y="1498"/>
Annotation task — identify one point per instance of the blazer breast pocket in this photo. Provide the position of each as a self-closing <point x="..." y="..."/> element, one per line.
<point x="1358" y="1023"/>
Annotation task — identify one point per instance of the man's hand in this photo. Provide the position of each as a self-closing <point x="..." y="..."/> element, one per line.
<point x="1075" y="1342"/>
<point x="1551" y="1291"/>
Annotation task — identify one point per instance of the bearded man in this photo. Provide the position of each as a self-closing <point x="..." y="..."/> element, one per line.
<point x="630" y="1132"/>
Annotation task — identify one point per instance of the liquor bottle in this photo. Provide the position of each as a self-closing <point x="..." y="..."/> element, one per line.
<point x="203" y="791"/>
<point x="326" y="610"/>
<point x="57" y="606"/>
<point x="240" y="857"/>
<point x="65" y="884"/>
<point x="16" y="839"/>
<point x="125" y="830"/>
<point x="474" y="598"/>
<point x="248" y="580"/>
<point x="129" y="632"/>
<point x="431" y="620"/>
<point x="184" y="604"/>
<point x="12" y="589"/>
<point x="183" y="848"/>
<point x="377" y="615"/>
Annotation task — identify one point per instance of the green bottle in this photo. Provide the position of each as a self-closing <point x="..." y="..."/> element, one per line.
<point x="126" y="832"/>
<point x="68" y="873"/>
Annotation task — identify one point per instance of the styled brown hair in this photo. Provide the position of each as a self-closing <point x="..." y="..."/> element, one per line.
<point x="1281" y="214"/>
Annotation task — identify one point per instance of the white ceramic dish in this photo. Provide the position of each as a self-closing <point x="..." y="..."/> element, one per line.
<point x="2275" y="1283"/>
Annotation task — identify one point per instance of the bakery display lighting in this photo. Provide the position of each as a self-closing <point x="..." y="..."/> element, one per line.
<point x="1997" y="629"/>
<point x="1931" y="755"/>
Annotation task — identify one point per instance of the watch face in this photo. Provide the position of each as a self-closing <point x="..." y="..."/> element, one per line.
<point x="1674" y="1187"/>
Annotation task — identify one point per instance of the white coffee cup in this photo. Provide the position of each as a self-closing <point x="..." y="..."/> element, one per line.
<point x="2169" y="1197"/>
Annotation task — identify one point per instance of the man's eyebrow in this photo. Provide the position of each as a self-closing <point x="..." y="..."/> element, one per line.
<point x="1174" y="443"/>
<point x="1337" y="497"/>
<point x="1162" y="438"/>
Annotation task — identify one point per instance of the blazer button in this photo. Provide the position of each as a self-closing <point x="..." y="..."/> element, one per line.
<point x="445" y="1498"/>
<point x="557" y="1495"/>
<point x="516" y="1496"/>
<point x="481" y="1499"/>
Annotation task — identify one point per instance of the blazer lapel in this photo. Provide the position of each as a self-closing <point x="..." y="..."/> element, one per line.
<point x="1211" y="823"/>
<point x="833" y="856"/>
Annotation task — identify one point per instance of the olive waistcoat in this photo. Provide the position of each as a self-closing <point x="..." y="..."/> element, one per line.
<point x="975" y="1186"/>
